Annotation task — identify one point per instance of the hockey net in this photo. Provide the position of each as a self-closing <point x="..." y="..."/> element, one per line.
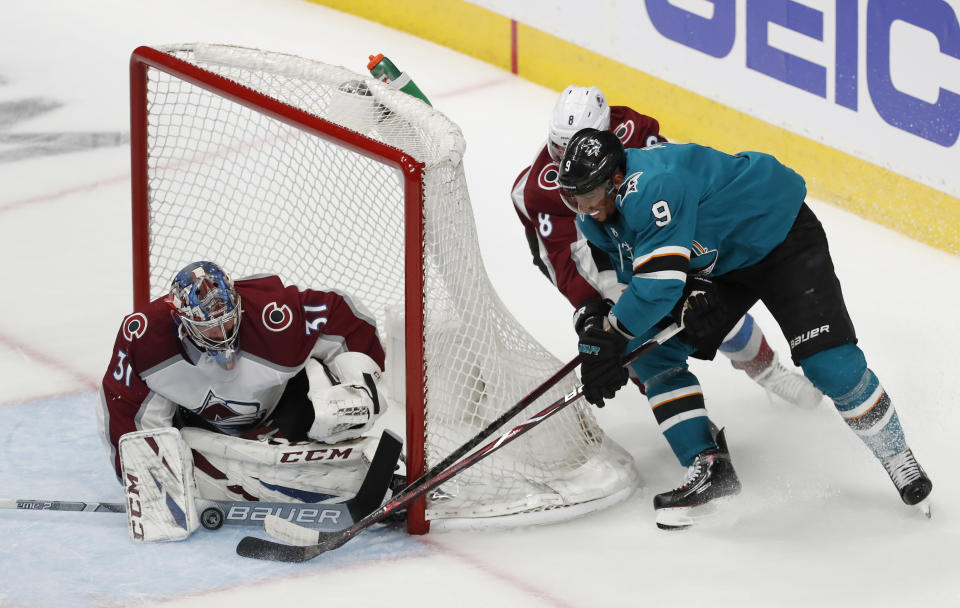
<point x="271" y="163"/>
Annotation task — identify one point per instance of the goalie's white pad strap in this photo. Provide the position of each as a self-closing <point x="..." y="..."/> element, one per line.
<point x="157" y="475"/>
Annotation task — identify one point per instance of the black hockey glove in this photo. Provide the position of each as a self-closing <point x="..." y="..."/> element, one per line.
<point x="591" y="312"/>
<point x="600" y="368"/>
<point x="700" y="311"/>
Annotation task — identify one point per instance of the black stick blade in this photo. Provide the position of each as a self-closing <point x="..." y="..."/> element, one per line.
<point x="377" y="481"/>
<point x="260" y="548"/>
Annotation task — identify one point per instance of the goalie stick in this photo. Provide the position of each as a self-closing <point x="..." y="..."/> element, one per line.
<point x="307" y="544"/>
<point x="216" y="513"/>
<point x="61" y="505"/>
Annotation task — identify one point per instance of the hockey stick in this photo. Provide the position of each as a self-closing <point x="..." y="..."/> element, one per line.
<point x="487" y="432"/>
<point x="491" y="428"/>
<point x="216" y="513"/>
<point x="61" y="505"/>
<point x="308" y="544"/>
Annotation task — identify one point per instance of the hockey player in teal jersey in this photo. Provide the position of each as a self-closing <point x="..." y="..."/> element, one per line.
<point x="700" y="236"/>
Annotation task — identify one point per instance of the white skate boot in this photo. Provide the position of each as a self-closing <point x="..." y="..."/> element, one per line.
<point x="789" y="385"/>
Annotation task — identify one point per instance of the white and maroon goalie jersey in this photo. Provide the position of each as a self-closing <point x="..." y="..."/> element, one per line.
<point x="574" y="266"/>
<point x="152" y="371"/>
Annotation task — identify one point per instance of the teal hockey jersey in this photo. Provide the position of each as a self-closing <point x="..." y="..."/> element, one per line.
<point x="689" y="208"/>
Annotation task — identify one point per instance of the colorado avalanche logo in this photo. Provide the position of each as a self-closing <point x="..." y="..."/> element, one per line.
<point x="277" y="318"/>
<point x="134" y="326"/>
<point x="548" y="176"/>
<point x="225" y="413"/>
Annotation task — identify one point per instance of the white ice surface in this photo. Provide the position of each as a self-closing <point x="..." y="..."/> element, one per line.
<point x="819" y="523"/>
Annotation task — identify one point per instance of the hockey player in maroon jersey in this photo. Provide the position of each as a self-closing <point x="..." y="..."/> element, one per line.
<point x="583" y="273"/>
<point x="270" y="386"/>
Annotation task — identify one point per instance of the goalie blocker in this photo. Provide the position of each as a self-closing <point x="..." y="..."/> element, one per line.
<point x="162" y="494"/>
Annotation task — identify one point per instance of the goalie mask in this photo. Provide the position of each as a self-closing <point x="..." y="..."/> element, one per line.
<point x="577" y="108"/>
<point x="207" y="309"/>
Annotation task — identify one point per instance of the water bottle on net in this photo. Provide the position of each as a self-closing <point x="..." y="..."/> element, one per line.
<point x="385" y="71"/>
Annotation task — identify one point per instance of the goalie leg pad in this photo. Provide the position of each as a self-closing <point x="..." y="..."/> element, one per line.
<point x="157" y="476"/>
<point x="231" y="468"/>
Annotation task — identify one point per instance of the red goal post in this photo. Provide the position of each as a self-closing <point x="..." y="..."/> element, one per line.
<point x="265" y="162"/>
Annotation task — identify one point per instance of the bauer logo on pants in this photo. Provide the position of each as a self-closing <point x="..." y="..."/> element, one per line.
<point x="809" y="335"/>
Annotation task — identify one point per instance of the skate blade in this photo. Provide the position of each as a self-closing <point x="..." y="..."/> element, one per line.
<point x="680" y="518"/>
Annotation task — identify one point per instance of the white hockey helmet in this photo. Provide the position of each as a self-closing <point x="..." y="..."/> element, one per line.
<point x="577" y="108"/>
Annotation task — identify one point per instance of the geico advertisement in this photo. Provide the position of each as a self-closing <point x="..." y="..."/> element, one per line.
<point x="879" y="79"/>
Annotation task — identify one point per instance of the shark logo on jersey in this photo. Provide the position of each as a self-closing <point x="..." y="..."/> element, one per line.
<point x="630" y="184"/>
<point x="702" y="260"/>
<point x="225" y="413"/>
<point x="277" y="318"/>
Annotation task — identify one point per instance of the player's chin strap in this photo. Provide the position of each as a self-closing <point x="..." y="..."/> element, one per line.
<point x="156" y="470"/>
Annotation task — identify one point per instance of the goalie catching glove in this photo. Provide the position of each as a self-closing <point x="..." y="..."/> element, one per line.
<point x="345" y="397"/>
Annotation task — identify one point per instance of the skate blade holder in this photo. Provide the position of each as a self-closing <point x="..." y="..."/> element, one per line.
<point x="681" y="518"/>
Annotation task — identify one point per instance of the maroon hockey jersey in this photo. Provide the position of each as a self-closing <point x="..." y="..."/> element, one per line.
<point x="577" y="269"/>
<point x="151" y="372"/>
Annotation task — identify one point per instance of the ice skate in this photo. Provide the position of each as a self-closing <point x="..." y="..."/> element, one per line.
<point x="789" y="385"/>
<point x="708" y="480"/>
<point x="910" y="479"/>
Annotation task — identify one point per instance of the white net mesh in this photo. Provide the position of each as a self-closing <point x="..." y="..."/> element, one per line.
<point x="255" y="194"/>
